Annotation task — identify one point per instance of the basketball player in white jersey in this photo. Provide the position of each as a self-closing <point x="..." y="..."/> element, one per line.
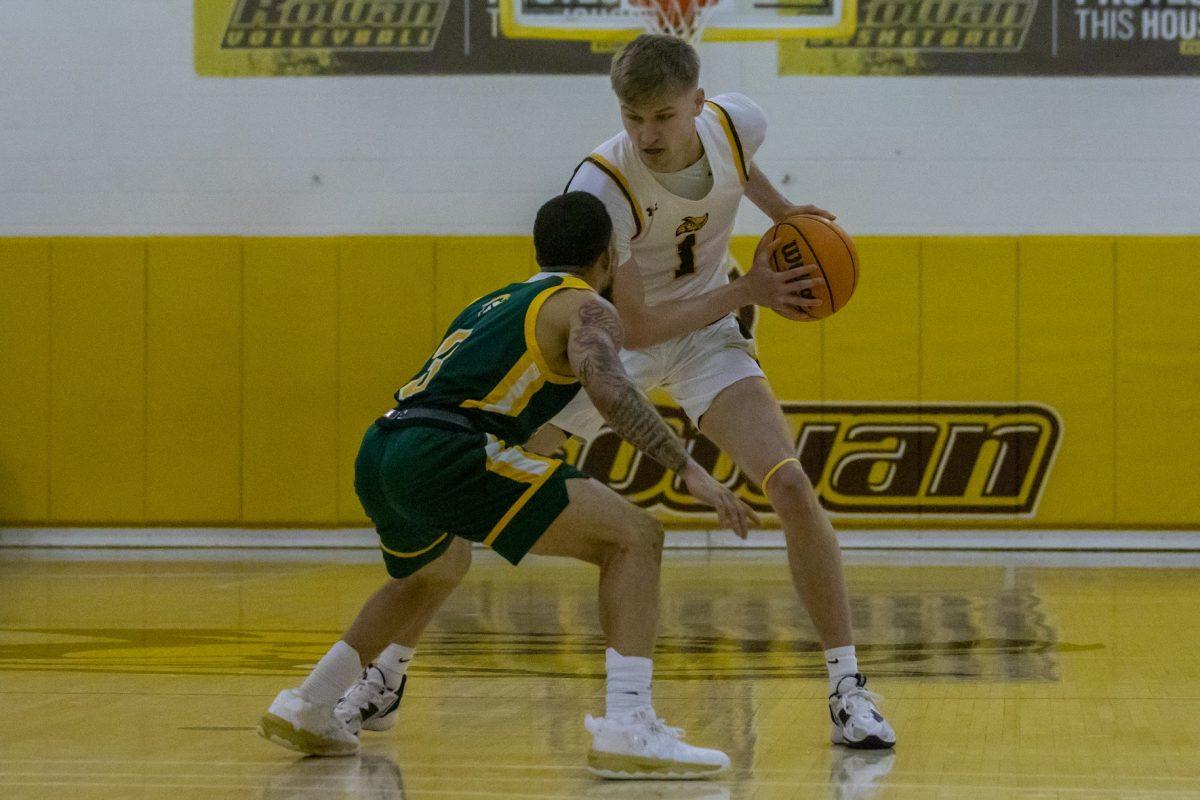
<point x="672" y="181"/>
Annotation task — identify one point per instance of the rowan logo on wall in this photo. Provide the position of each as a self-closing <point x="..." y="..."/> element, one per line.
<point x="341" y="24"/>
<point x="872" y="459"/>
<point x="1008" y="37"/>
<point x="235" y="38"/>
<point x="991" y="25"/>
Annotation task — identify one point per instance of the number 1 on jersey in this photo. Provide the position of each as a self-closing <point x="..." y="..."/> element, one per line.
<point x="687" y="258"/>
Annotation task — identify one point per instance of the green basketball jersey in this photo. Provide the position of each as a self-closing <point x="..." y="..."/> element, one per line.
<point x="489" y="366"/>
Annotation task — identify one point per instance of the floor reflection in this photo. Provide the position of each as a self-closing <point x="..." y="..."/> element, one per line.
<point x="367" y="776"/>
<point x="858" y="774"/>
<point x="720" y="622"/>
<point x="972" y="661"/>
<point x="656" y="790"/>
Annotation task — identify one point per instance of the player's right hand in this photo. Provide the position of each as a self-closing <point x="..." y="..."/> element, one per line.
<point x="780" y="291"/>
<point x="732" y="513"/>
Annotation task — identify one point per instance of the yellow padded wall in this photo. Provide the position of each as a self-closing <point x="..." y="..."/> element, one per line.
<point x="289" y="412"/>
<point x="968" y="319"/>
<point x="1065" y="346"/>
<point x="386" y="301"/>
<point x="98" y="381"/>
<point x="872" y="346"/>
<point x="24" y="380"/>
<point x="1158" y="380"/>
<point x="471" y="266"/>
<point x="212" y="381"/>
<point x="193" y="380"/>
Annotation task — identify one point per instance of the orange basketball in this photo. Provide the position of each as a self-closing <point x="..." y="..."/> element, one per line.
<point x="809" y="239"/>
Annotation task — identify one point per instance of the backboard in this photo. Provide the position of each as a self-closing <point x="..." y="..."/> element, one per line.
<point x="731" y="20"/>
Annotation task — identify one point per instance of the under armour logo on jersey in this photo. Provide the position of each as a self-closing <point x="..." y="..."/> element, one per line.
<point x="651" y="209"/>
<point x="691" y="224"/>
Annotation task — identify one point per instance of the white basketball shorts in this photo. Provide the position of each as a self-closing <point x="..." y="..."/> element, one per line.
<point x="692" y="369"/>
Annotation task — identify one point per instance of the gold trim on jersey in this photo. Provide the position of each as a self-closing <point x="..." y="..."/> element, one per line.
<point x="618" y="177"/>
<point x="514" y="391"/>
<point x="414" y="553"/>
<point x="512" y="394"/>
<point x="517" y="464"/>
<point x="531" y="315"/>
<point x="735" y="144"/>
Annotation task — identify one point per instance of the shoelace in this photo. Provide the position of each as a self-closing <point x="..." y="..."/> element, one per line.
<point x="360" y="695"/>
<point x="660" y="726"/>
<point x="853" y="698"/>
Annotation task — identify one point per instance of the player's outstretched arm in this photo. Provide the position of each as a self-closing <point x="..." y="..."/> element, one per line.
<point x="593" y="346"/>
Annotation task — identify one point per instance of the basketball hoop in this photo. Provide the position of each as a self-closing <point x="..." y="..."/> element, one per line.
<point x="714" y="20"/>
<point x="683" y="19"/>
<point x="616" y="21"/>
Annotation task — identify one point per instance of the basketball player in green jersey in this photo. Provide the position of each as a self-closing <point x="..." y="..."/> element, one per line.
<point x="446" y="468"/>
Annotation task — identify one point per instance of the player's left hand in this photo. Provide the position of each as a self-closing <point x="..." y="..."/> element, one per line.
<point x="791" y="211"/>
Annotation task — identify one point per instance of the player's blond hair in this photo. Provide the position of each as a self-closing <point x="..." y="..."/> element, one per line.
<point x="653" y="66"/>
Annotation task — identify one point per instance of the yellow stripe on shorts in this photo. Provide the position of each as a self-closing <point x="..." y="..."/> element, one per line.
<point x="519" y="465"/>
<point x="414" y="553"/>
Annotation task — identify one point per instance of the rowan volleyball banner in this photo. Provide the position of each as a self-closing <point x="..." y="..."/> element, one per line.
<point x="266" y="38"/>
<point x="1008" y="37"/>
<point x="887" y="459"/>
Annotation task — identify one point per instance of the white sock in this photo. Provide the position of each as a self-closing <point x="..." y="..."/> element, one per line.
<point x="333" y="675"/>
<point x="840" y="661"/>
<point x="393" y="663"/>
<point x="628" y="687"/>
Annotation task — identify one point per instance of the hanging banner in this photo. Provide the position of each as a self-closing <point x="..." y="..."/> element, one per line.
<point x="1007" y="37"/>
<point x="264" y="38"/>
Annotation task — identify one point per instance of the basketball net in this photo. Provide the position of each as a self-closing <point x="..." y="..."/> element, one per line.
<point x="683" y="19"/>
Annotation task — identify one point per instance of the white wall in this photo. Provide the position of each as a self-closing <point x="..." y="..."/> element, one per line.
<point x="105" y="129"/>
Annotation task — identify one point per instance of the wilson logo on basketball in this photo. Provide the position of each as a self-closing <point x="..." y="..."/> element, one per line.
<point x="691" y="225"/>
<point x="867" y="459"/>
<point x="791" y="254"/>
<point x="397" y="25"/>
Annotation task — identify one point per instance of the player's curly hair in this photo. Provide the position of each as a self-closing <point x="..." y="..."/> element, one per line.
<point x="654" y="65"/>
<point x="571" y="231"/>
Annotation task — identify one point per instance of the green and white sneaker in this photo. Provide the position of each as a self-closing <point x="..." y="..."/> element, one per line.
<point x="298" y="724"/>
<point x="643" y="747"/>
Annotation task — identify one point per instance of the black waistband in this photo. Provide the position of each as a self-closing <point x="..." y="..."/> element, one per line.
<point x="432" y="417"/>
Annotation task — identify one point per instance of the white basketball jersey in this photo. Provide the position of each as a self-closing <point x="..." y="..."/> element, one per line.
<point x="681" y="246"/>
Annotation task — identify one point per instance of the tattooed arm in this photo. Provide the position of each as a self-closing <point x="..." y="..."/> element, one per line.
<point x="593" y="348"/>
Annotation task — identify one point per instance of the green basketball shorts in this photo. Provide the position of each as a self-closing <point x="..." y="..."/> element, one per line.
<point x="422" y="485"/>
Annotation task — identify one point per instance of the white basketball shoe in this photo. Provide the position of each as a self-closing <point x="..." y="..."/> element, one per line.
<point x="856" y="722"/>
<point x="370" y="704"/>
<point x="641" y="746"/>
<point x="296" y="723"/>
